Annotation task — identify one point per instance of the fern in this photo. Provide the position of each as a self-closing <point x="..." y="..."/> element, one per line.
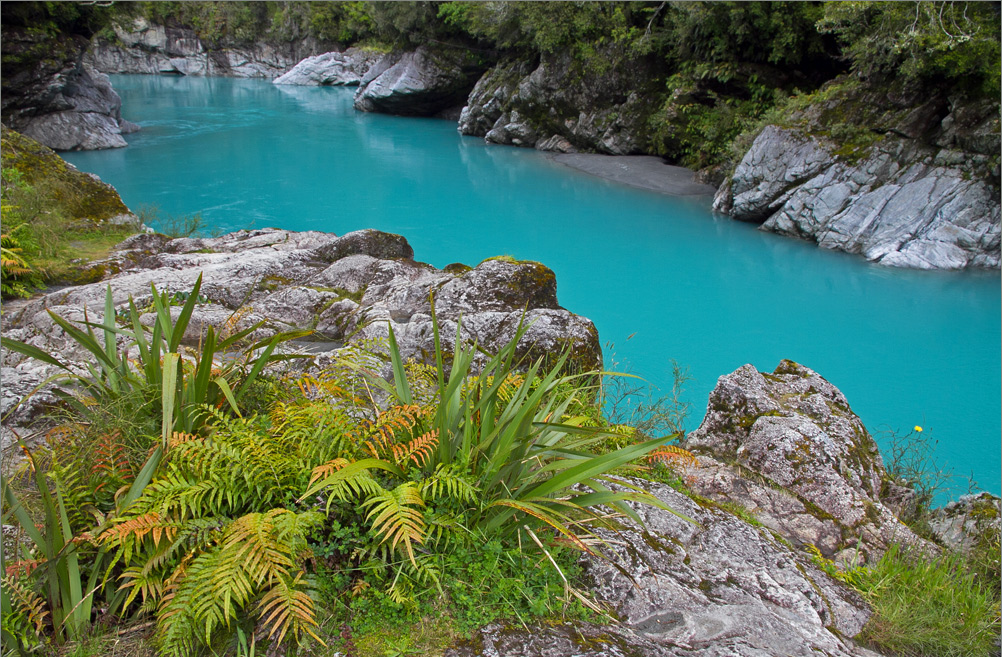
<point x="256" y="559"/>
<point x="394" y="517"/>
<point x="672" y="456"/>
<point x="28" y="608"/>
<point x="418" y="450"/>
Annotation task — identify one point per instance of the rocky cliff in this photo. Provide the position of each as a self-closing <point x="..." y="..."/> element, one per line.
<point x="558" y="105"/>
<point x="904" y="204"/>
<point x="424" y="82"/>
<point x="50" y="95"/>
<point x="143" y="47"/>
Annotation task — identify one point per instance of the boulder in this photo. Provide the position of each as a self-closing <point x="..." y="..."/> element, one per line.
<point x="557" y="106"/>
<point x="712" y="585"/>
<point x="331" y="69"/>
<point x="349" y="290"/>
<point x="423" y="82"/>
<point x="57" y="100"/>
<point x="901" y="203"/>
<point x="787" y="447"/>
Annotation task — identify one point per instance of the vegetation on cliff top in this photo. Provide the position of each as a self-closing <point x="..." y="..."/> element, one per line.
<point x="53" y="216"/>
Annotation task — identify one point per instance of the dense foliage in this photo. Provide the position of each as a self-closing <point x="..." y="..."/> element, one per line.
<point x="722" y="66"/>
<point x="180" y="484"/>
<point x="52" y="215"/>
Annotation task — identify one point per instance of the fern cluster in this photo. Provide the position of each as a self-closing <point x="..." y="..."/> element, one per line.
<point x="227" y="525"/>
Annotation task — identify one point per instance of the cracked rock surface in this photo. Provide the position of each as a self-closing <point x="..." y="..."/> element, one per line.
<point x="904" y="205"/>
<point x="347" y="289"/>
<point x="716" y="586"/>
<point x="787" y="447"/>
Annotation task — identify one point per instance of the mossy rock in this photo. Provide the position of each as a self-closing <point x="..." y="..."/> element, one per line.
<point x="79" y="195"/>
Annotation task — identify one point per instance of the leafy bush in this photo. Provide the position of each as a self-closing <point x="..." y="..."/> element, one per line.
<point x="935" y="43"/>
<point x="464" y="489"/>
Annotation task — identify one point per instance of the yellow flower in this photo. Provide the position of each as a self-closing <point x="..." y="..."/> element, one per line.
<point x="918" y="429"/>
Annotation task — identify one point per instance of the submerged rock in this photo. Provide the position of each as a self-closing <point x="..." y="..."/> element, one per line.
<point x="905" y="204"/>
<point x="787" y="447"/>
<point x="424" y="82"/>
<point x="55" y="99"/>
<point x="712" y="587"/>
<point x="332" y="68"/>
<point x="349" y="290"/>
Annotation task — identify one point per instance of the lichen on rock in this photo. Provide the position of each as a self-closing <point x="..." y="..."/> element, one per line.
<point x="788" y="447"/>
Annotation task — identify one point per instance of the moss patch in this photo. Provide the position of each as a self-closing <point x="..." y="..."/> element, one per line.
<point x="77" y="194"/>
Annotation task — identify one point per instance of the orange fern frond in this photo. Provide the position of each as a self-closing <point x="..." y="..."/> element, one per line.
<point x="418" y="450"/>
<point x="111" y="456"/>
<point x="26" y="602"/>
<point x="672" y="456"/>
<point x="326" y="470"/>
<point x="359" y="587"/>
<point x="179" y="438"/>
<point x="23" y="567"/>
<point x="138" y="528"/>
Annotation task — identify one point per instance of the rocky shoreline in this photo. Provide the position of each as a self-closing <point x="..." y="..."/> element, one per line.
<point x="782" y="462"/>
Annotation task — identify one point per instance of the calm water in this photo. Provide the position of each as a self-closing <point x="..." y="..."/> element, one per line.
<point x="907" y="348"/>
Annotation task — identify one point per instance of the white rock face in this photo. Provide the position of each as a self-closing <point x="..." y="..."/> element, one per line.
<point x="143" y="47"/>
<point x="423" y="82"/>
<point x="331" y="69"/>
<point x="904" y="205"/>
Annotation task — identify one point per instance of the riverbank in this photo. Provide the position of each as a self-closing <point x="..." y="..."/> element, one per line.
<point x="641" y="171"/>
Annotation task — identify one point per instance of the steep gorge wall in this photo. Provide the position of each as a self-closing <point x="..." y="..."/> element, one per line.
<point x="143" y="47"/>
<point x="50" y="95"/>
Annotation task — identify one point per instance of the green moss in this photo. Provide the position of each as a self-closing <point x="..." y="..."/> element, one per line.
<point x="76" y="194"/>
<point x="272" y="282"/>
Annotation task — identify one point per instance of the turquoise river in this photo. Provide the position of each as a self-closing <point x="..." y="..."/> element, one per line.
<point x="661" y="277"/>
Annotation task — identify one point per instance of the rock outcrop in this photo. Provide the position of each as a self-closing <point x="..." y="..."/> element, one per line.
<point x="968" y="521"/>
<point x="144" y="47"/>
<point x="787" y="447"/>
<point x="348" y="289"/>
<point x="80" y="196"/>
<point x="556" y="106"/>
<point x="920" y="189"/>
<point x="424" y="82"/>
<point x="712" y="587"/>
<point x="332" y="68"/>
<point x="52" y="97"/>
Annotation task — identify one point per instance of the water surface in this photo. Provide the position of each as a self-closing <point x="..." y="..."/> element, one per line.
<point x="906" y="347"/>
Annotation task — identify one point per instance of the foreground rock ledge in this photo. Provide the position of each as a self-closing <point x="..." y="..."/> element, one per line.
<point x="348" y="289"/>
<point x="787" y="447"/>
<point x="715" y="587"/>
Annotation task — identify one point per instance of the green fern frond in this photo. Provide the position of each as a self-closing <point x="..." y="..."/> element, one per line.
<point x="257" y="554"/>
<point x="446" y="483"/>
<point x="394" y="517"/>
<point x="27" y="607"/>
